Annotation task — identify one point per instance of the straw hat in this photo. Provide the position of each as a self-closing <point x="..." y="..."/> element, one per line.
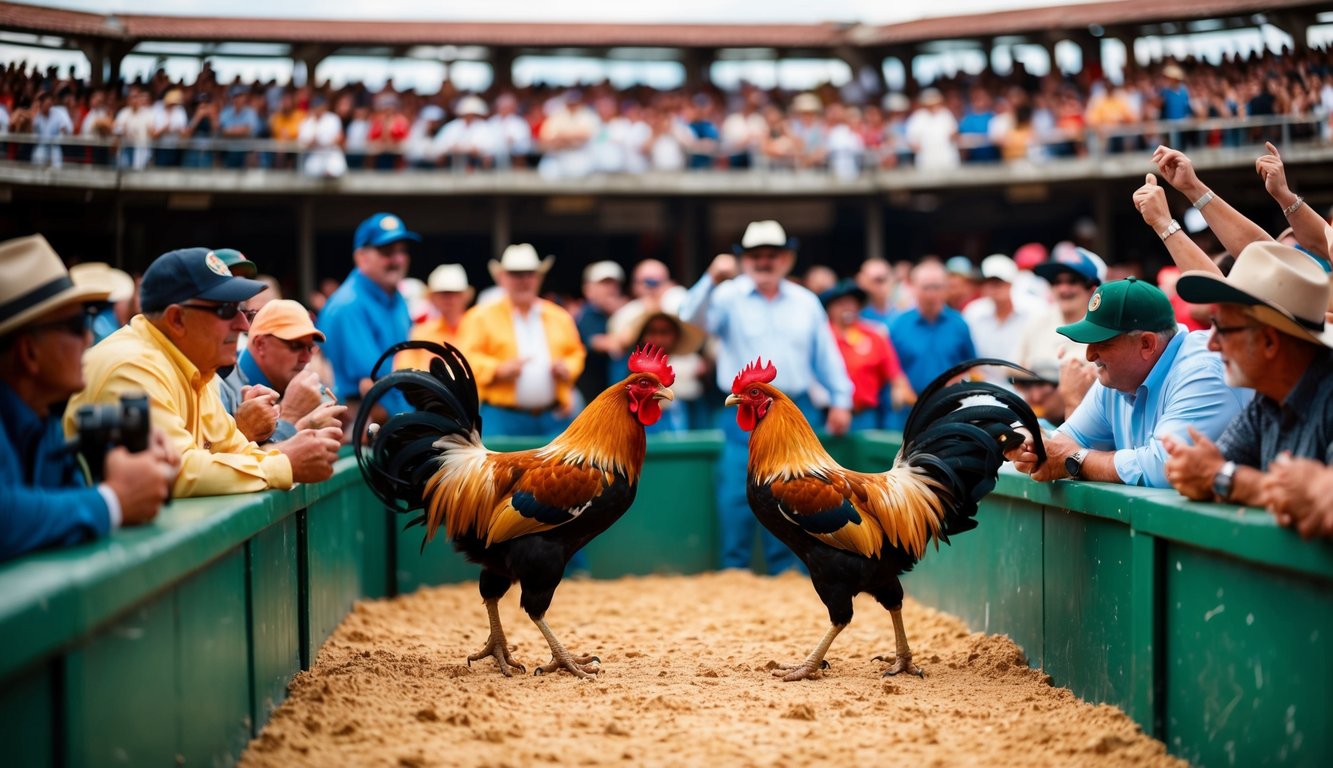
<point x="767" y="233"/>
<point x="692" y="337"/>
<point x="34" y="281"/>
<point x="520" y="257"/>
<point x="97" y="274"/>
<point x="448" y="278"/>
<point x="1279" y="286"/>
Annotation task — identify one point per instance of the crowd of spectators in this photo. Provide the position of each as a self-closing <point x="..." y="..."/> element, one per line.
<point x="564" y="132"/>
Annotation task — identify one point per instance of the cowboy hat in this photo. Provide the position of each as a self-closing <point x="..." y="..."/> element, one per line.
<point x="1278" y="285"/>
<point x="765" y="234"/>
<point x="520" y="257"/>
<point x="692" y="337"/>
<point x="448" y="278"/>
<point x="98" y="274"/>
<point x="34" y="281"/>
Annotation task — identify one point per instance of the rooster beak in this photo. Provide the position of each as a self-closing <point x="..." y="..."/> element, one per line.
<point x="733" y="400"/>
<point x="664" y="393"/>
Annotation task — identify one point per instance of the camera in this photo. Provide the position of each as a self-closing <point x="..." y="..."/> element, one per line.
<point x="103" y="427"/>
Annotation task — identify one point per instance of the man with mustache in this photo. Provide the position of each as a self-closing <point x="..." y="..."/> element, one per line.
<point x="1155" y="381"/>
<point x="367" y="314"/>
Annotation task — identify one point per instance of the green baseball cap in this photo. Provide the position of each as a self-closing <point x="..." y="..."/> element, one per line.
<point x="1119" y="307"/>
<point x="237" y="263"/>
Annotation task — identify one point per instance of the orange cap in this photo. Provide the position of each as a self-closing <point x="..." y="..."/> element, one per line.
<point x="285" y="319"/>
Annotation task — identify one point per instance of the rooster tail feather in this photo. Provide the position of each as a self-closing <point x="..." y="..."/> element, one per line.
<point x="957" y="435"/>
<point x="403" y="453"/>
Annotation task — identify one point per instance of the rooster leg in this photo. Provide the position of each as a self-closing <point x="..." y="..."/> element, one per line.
<point x="814" y="664"/>
<point x="578" y="666"/>
<point x="496" y="645"/>
<point x="902" y="661"/>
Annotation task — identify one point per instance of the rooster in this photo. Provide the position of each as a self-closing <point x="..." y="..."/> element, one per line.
<point x="519" y="515"/>
<point x="858" y="532"/>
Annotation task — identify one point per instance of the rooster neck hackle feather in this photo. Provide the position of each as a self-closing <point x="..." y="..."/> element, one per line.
<point x="606" y="435"/>
<point x="902" y="504"/>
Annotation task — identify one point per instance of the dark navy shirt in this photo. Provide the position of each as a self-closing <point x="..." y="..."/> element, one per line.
<point x="1301" y="424"/>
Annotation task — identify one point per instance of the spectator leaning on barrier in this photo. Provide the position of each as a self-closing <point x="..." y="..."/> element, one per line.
<point x="524" y="350"/>
<point x="282" y="342"/>
<point x="366" y="314"/>
<point x="1153" y="379"/>
<point x="1269" y="327"/>
<point x="45" y="499"/>
<point x="762" y="314"/>
<point x="191" y="317"/>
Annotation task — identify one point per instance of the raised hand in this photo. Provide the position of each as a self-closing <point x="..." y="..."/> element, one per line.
<point x="1178" y="171"/>
<point x="1270" y="168"/>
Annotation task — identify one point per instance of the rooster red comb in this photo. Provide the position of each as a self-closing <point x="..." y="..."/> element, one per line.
<point x="756" y="371"/>
<point x="650" y="359"/>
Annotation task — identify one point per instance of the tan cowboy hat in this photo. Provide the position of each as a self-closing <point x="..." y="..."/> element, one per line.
<point x="97" y="274"/>
<point x="448" y="278"/>
<point x="1279" y="286"/>
<point x="520" y="257"/>
<point x="34" y="281"/>
<point x="692" y="337"/>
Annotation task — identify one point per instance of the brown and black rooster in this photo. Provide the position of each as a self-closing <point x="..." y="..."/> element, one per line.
<point x="519" y="515"/>
<point x="858" y="532"/>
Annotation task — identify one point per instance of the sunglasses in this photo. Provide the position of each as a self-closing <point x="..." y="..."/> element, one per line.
<point x="298" y="346"/>
<point x="75" y="325"/>
<point x="227" y="311"/>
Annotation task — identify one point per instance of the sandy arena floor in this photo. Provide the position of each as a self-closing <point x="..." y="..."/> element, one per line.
<point x="685" y="681"/>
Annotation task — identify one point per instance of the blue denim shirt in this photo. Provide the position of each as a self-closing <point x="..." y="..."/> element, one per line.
<point x="44" y="499"/>
<point x="1185" y="388"/>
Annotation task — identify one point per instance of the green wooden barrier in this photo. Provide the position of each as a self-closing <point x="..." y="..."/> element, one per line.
<point x="173" y="642"/>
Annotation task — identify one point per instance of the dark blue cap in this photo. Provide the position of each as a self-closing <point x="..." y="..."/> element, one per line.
<point x="192" y="273"/>
<point x="382" y="229"/>
<point x="1076" y="261"/>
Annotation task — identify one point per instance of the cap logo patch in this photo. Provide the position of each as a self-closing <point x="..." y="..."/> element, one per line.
<point x="390" y="223"/>
<point x="216" y="265"/>
<point x="1095" y="302"/>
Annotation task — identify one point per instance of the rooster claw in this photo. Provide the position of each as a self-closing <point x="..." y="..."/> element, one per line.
<point x="585" y="667"/>
<point x="500" y="652"/>
<point x="804" y="671"/>
<point x="900" y="664"/>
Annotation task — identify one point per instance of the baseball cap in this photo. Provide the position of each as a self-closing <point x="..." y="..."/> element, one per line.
<point x="961" y="265"/>
<point x="844" y="287"/>
<point x="997" y="266"/>
<point x="603" y="270"/>
<point x="192" y="273"/>
<point x="382" y="229"/>
<point x="1119" y="307"/>
<point x="237" y="263"/>
<point x="285" y="319"/>
<point x="1078" y="261"/>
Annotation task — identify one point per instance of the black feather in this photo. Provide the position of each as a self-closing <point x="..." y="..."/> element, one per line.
<point x="403" y="453"/>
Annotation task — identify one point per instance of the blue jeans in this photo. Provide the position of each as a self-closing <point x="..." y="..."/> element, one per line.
<point x="736" y="523"/>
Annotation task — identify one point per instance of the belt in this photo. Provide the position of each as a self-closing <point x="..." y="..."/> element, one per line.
<point x="524" y="411"/>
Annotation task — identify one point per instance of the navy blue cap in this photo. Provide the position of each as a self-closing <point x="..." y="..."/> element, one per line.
<point x="382" y="229"/>
<point x="1076" y="261"/>
<point x="192" y="273"/>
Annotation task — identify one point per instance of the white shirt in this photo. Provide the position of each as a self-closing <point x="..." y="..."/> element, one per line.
<point x="993" y="337"/>
<point x="134" y="124"/>
<point x="535" y="387"/>
<point x="932" y="134"/>
<point x="459" y="137"/>
<point x="513" y="135"/>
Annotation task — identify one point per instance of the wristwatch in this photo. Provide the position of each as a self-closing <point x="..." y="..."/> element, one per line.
<point x="1223" y="481"/>
<point x="1074" y="463"/>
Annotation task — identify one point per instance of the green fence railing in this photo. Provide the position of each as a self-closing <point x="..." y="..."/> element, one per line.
<point x="172" y="643"/>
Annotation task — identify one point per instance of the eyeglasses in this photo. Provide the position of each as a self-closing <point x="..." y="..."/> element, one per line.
<point x="1227" y="330"/>
<point x="226" y="311"/>
<point x="298" y="346"/>
<point x="392" y="249"/>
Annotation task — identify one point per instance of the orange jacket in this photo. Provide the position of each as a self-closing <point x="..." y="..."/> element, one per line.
<point x="486" y="337"/>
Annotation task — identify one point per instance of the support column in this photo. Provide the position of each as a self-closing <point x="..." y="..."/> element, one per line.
<point x="874" y="214"/>
<point x="698" y="64"/>
<point x="1101" y="213"/>
<point x="502" y="233"/>
<point x="119" y="224"/>
<point x="305" y="228"/>
<point x="310" y="55"/>
<point x="502" y="68"/>
<point x="1297" y="25"/>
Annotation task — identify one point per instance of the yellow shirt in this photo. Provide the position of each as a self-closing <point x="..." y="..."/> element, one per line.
<point x="286" y="127"/>
<point x="486" y="337"/>
<point x="436" y="330"/>
<point x="216" y="458"/>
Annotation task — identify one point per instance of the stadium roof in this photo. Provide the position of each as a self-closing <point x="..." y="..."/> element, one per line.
<point x="133" y="27"/>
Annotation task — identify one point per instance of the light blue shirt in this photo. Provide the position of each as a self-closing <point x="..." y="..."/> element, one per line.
<point x="791" y="329"/>
<point x="1184" y="389"/>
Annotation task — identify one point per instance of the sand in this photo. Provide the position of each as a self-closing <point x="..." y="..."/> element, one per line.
<point x="685" y="681"/>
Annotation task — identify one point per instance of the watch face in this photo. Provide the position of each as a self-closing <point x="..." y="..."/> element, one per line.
<point x="1073" y="466"/>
